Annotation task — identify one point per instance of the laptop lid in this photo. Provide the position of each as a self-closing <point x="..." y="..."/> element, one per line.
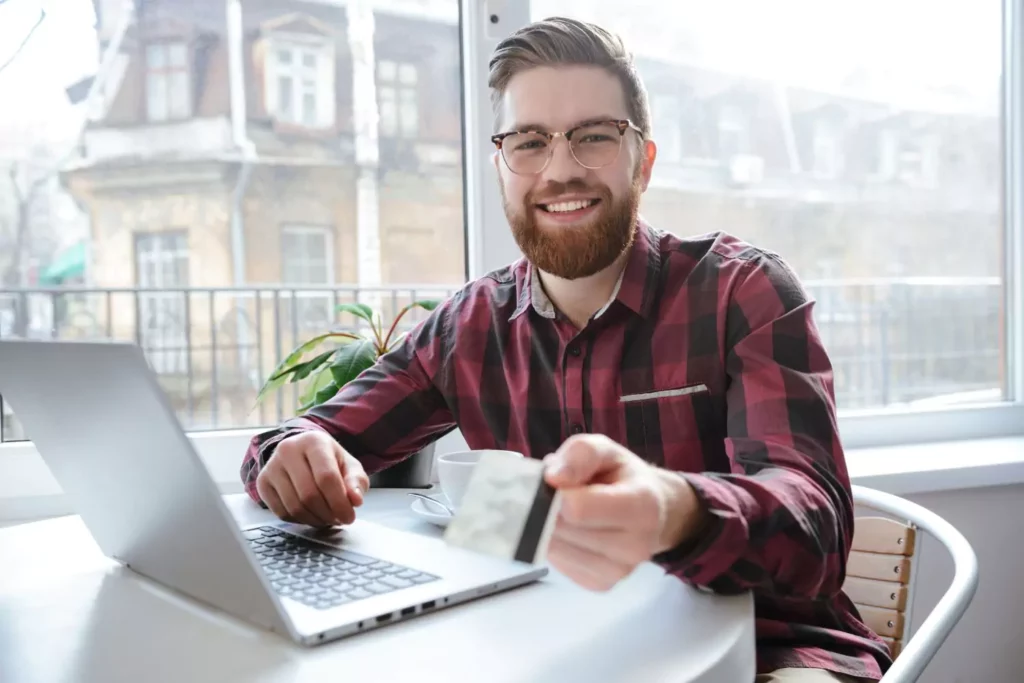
<point x="104" y="426"/>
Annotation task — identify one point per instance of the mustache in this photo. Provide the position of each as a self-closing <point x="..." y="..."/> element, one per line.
<point x="553" y="189"/>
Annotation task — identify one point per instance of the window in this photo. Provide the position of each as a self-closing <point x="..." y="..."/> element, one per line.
<point x="161" y="261"/>
<point x="307" y="258"/>
<point x="300" y="84"/>
<point x="216" y="267"/>
<point x="911" y="319"/>
<point x="827" y="151"/>
<point x="667" y="122"/>
<point x="167" y="81"/>
<point x="399" y="108"/>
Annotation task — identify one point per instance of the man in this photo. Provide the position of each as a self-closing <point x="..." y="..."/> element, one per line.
<point x="677" y="388"/>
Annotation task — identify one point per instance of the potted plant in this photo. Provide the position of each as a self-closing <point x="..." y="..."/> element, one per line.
<point x="351" y="353"/>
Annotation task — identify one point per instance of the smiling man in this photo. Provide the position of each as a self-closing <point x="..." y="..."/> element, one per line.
<point x="677" y="387"/>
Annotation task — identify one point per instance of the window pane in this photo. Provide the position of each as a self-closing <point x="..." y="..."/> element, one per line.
<point x="407" y="74"/>
<point x="178" y="95"/>
<point x="156" y="56"/>
<point x="176" y="55"/>
<point x="156" y="97"/>
<point x="212" y="339"/>
<point x="387" y="71"/>
<point x="811" y="129"/>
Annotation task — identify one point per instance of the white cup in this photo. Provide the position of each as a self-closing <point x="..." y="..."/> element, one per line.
<point x="454" y="471"/>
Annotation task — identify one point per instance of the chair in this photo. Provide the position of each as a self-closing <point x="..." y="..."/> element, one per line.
<point x="881" y="572"/>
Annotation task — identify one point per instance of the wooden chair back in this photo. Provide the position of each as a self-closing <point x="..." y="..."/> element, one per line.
<point x="879" y="577"/>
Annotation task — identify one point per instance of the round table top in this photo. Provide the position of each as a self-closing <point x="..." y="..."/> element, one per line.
<point x="67" y="613"/>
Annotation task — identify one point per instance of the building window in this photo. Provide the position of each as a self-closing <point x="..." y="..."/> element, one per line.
<point x="399" y="103"/>
<point x="300" y="84"/>
<point x="667" y="122"/>
<point x="307" y="259"/>
<point x="167" y="82"/>
<point x="161" y="262"/>
<point x="733" y="132"/>
<point x="828" y="151"/>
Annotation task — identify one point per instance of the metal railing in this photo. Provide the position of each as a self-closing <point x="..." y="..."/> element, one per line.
<point x="891" y="341"/>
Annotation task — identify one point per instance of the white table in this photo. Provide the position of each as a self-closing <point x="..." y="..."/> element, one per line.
<point x="68" y="613"/>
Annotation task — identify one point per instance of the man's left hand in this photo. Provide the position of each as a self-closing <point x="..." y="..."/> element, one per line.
<point x="617" y="511"/>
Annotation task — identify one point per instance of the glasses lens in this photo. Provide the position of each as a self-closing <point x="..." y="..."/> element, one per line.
<point x="597" y="145"/>
<point x="525" y="152"/>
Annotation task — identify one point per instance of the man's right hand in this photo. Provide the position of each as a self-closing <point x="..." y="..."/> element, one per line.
<point x="310" y="479"/>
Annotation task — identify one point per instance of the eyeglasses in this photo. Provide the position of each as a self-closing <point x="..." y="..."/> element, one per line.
<point x="593" y="145"/>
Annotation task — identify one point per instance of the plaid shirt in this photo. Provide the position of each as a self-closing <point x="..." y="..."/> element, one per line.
<point x="706" y="362"/>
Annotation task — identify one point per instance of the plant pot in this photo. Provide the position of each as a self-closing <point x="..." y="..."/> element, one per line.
<point x="415" y="472"/>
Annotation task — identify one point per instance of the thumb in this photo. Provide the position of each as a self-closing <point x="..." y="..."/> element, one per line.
<point x="582" y="459"/>
<point x="356" y="481"/>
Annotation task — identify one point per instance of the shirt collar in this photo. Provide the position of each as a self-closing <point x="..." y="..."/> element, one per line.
<point x="635" y="288"/>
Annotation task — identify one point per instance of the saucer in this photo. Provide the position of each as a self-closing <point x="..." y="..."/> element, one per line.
<point x="430" y="513"/>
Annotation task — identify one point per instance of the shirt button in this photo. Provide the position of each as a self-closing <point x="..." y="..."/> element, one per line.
<point x="574" y="350"/>
<point x="577" y="428"/>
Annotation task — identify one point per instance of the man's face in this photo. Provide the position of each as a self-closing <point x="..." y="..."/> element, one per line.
<point x="569" y="220"/>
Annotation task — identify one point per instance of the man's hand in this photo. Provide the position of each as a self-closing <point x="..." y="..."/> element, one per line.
<point x="617" y="511"/>
<point x="310" y="479"/>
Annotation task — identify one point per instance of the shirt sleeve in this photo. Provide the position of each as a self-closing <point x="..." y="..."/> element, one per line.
<point x="390" y="411"/>
<point x="781" y="520"/>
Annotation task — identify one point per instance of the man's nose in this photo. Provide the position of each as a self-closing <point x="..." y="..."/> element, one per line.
<point x="563" y="166"/>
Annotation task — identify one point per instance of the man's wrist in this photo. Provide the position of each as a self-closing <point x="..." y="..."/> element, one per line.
<point x="684" y="516"/>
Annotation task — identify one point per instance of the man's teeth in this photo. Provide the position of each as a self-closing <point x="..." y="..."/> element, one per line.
<point x="562" y="207"/>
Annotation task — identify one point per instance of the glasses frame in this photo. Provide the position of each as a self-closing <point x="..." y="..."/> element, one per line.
<point x="622" y="124"/>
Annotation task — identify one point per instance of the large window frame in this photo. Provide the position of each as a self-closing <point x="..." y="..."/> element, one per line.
<point x="27" y="490"/>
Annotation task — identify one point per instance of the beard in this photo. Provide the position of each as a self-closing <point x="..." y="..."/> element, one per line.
<point x="575" y="251"/>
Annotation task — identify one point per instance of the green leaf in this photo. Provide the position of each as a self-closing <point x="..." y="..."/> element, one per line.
<point x="290" y="364"/>
<point x="352" y="360"/>
<point x="304" y="370"/>
<point x="359" y="310"/>
<point x="325" y="394"/>
<point x="317" y="381"/>
<point x="426" y="304"/>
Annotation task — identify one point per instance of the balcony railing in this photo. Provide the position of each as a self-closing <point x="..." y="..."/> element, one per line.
<point x="891" y="341"/>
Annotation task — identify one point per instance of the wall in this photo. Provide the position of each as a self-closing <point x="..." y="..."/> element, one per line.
<point x="984" y="647"/>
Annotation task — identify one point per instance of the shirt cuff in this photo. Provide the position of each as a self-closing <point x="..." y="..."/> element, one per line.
<point x="716" y="547"/>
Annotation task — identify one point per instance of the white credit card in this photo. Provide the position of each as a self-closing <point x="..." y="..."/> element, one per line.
<point x="508" y="510"/>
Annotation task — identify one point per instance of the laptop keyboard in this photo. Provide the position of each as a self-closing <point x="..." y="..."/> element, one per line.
<point x="324" y="577"/>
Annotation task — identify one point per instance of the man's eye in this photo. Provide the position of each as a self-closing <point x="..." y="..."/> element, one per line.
<point x="530" y="145"/>
<point x="595" y="137"/>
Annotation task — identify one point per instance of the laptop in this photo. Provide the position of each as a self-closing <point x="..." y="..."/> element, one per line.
<point x="109" y="435"/>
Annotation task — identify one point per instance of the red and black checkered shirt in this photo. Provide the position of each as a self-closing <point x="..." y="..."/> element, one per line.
<point x="706" y="362"/>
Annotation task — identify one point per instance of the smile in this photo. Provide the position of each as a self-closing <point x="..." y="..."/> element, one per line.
<point x="568" y="207"/>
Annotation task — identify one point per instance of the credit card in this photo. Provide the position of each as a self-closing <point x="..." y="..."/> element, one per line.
<point x="508" y="510"/>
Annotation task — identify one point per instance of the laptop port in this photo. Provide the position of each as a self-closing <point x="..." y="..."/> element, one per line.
<point x="406" y="611"/>
<point x="384" y="617"/>
<point x="429" y="604"/>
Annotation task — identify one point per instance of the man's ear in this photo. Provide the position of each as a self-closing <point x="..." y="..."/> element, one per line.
<point x="649" y="154"/>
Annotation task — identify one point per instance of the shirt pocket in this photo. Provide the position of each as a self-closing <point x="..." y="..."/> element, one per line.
<point x="673" y="427"/>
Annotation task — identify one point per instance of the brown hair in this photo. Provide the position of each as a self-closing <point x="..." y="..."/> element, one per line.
<point x="558" y="40"/>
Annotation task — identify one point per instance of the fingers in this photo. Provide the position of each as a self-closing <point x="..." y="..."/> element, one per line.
<point x="624" y="546"/>
<point x="610" y="506"/>
<point x="294" y="510"/>
<point x="308" y="481"/>
<point x="327" y="479"/>
<point x="582" y="460"/>
<point x="588" y="569"/>
<point x="356" y="481"/>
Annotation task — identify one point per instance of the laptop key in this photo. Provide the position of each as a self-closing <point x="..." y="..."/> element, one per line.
<point x="359" y="594"/>
<point x="360" y="581"/>
<point x="378" y="588"/>
<point x="395" y="582"/>
<point x="252" y="534"/>
<point x="423" y="578"/>
<point x="407" y="574"/>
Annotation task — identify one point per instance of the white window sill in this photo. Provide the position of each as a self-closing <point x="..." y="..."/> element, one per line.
<point x="28" y="491"/>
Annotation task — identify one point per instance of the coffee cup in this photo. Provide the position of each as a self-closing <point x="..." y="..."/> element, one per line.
<point x="455" y="469"/>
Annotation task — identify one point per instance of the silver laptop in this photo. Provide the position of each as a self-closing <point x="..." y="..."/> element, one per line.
<point x="103" y="425"/>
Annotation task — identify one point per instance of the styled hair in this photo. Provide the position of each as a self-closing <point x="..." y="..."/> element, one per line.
<point x="560" y="41"/>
